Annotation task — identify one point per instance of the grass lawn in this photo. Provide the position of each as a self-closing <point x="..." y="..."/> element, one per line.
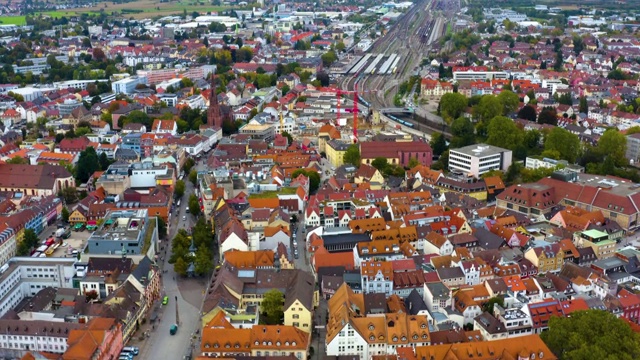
<point x="13" y="20"/>
<point x="273" y="194"/>
<point x="150" y="9"/>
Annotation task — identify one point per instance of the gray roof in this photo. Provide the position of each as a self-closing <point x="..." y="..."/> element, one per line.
<point x="438" y="290"/>
<point x="488" y="240"/>
<point x="450" y="273"/>
<point x="414" y="303"/>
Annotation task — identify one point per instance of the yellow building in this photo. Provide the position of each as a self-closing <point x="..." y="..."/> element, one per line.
<point x="477" y="190"/>
<point x="335" y="150"/>
<point x="299" y="312"/>
<point x="77" y="217"/>
<point x="546" y="258"/>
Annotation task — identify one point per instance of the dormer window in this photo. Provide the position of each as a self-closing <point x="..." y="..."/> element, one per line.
<point x="371" y="327"/>
<point x="372" y="337"/>
<point x="293" y="343"/>
<point x="395" y="338"/>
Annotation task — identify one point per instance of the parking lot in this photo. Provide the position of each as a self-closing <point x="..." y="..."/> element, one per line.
<point x="77" y="241"/>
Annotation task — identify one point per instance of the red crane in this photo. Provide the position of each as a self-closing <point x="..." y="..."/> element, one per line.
<point x="354" y="110"/>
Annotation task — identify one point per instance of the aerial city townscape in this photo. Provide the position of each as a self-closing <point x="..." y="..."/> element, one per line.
<point x="336" y="180"/>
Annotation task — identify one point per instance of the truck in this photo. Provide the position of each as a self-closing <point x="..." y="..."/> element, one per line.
<point x="174" y="329"/>
<point x="63" y="233"/>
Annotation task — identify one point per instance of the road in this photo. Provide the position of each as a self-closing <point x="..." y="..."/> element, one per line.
<point x="188" y="292"/>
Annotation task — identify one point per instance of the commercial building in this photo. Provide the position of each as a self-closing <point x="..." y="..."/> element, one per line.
<point x="125" y="231"/>
<point x="475" y="160"/>
<point x="128" y="85"/>
<point x="257" y="131"/>
<point x="24" y="277"/>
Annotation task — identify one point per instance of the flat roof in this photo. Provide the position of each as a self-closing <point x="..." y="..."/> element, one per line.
<point x="480" y="150"/>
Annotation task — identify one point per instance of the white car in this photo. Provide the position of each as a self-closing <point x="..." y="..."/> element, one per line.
<point x="184" y="217"/>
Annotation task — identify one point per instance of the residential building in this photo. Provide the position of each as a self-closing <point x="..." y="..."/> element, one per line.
<point x="259" y="340"/>
<point x="522" y="348"/>
<point x="377" y="277"/>
<point x="101" y="339"/>
<point x="353" y="329"/>
<point x="475" y="160"/>
<point x="335" y="150"/>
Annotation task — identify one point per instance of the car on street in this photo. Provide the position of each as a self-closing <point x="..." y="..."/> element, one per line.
<point x="174" y="329"/>
<point x="184" y="217"/>
<point x="165" y="300"/>
<point x="134" y="350"/>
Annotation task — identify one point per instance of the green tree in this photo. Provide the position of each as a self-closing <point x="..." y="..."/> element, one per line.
<point x="510" y="101"/>
<point x="614" y="145"/>
<point x="180" y="266"/>
<point x="104" y="161"/>
<point x="583" y="106"/>
<point x="203" y="263"/>
<point x="193" y="177"/>
<point x="380" y="163"/>
<point x="88" y="163"/>
<point x="17" y="160"/>
<point x="314" y="178"/>
<point x="288" y="136"/>
<point x="272" y="307"/>
<point x="548" y="115"/>
<point x="527" y="112"/>
<point x="352" y="155"/>
<point x="452" y="105"/>
<point x="70" y="194"/>
<point x="194" y="205"/>
<point x="328" y="58"/>
<point x="565" y="143"/>
<point x="591" y="334"/>
<point x="413" y="162"/>
<point x="488" y="108"/>
<point x="29" y="241"/>
<point x="162" y="227"/>
<point x="438" y="144"/>
<point x="188" y="164"/>
<point x="179" y="190"/>
<point x="488" y="306"/>
<point x="65" y="214"/>
<point x="503" y="132"/>
<point x="463" y="133"/>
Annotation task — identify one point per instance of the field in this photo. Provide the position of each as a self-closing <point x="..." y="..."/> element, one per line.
<point x="12" y="20"/>
<point x="150" y="8"/>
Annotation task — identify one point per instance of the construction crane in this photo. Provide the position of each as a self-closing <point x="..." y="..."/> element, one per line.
<point x="354" y="110"/>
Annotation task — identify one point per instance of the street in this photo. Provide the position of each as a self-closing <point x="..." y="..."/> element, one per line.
<point x="189" y="294"/>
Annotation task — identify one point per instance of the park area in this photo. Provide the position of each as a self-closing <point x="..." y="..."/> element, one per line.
<point x="139" y="9"/>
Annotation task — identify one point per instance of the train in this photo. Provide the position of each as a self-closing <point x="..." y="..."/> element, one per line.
<point x="405" y="123"/>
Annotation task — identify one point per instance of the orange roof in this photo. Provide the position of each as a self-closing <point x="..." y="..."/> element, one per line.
<point x="53" y="156"/>
<point x="270" y="231"/>
<point x="269" y="203"/>
<point x="249" y="259"/>
<point x="510" y="348"/>
<point x="322" y="258"/>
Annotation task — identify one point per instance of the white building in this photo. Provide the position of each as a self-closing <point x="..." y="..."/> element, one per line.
<point x="8" y="245"/>
<point x="143" y="175"/>
<point x="534" y="163"/>
<point x="475" y="160"/>
<point x="126" y="86"/>
<point x="479" y="75"/>
<point x="24" y="277"/>
<point x="377" y="277"/>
